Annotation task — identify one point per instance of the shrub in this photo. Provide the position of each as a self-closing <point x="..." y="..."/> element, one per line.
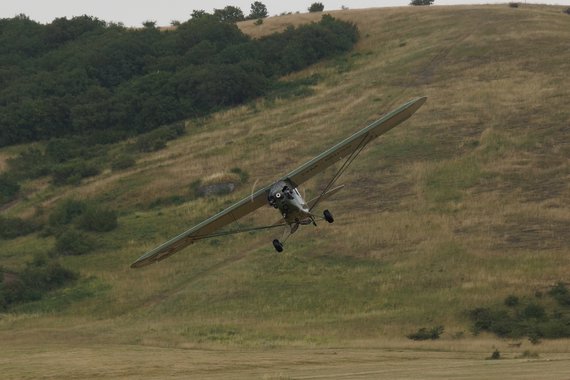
<point x="61" y="150"/>
<point x="65" y="212"/>
<point x="316" y="7"/>
<point x="425" y="334"/>
<point x="45" y="275"/>
<point x="156" y="139"/>
<point x="421" y="2"/>
<point x="482" y="318"/>
<point x="512" y="300"/>
<point x="560" y="293"/>
<point x="514" y="5"/>
<point x="29" y="164"/>
<point x="11" y="228"/>
<point x="123" y="162"/>
<point x="148" y="143"/>
<point x="167" y="201"/>
<point x="98" y="219"/>
<point x="73" y="172"/>
<point x="243" y="175"/>
<point x="533" y="310"/>
<point x="258" y="22"/>
<point x="529" y="318"/>
<point x="496" y="355"/>
<point x="534" y="337"/>
<point x="195" y="189"/>
<point x="8" y="188"/>
<point x="555" y="328"/>
<point x="73" y="243"/>
<point x="567" y="11"/>
<point x="173" y="131"/>
<point x="37" y="278"/>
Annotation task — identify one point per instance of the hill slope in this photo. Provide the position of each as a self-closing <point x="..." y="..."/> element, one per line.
<point x="464" y="204"/>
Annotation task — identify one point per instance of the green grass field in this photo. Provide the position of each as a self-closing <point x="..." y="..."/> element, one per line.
<point x="464" y="204"/>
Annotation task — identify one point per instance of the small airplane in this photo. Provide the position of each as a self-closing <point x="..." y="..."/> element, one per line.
<point x="284" y="194"/>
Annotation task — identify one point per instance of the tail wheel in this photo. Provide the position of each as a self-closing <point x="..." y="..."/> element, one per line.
<point x="328" y="216"/>
<point x="278" y="245"/>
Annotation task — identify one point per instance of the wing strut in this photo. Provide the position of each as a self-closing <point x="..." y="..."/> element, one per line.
<point x="238" y="231"/>
<point x="365" y="140"/>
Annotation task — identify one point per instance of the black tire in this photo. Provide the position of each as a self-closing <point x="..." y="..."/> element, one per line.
<point x="328" y="216"/>
<point x="278" y="245"/>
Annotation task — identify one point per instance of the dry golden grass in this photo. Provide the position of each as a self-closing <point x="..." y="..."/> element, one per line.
<point x="399" y="361"/>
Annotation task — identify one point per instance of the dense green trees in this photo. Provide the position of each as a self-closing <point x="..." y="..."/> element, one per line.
<point x="85" y="76"/>
<point x="229" y="14"/>
<point x="316" y="7"/>
<point x="258" y="10"/>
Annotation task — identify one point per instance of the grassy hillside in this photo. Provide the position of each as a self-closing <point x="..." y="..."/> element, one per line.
<point x="464" y="204"/>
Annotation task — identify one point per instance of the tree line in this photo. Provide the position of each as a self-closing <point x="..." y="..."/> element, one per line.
<point x="83" y="76"/>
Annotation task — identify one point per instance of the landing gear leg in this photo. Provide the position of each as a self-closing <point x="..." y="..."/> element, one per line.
<point x="278" y="245"/>
<point x="328" y="216"/>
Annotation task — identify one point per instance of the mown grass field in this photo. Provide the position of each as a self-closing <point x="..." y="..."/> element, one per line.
<point x="464" y="204"/>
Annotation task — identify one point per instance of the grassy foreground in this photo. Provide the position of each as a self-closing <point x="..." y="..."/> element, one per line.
<point x="136" y="362"/>
<point x="466" y="203"/>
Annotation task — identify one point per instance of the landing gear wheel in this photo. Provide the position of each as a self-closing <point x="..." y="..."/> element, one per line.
<point x="278" y="245"/>
<point x="328" y="216"/>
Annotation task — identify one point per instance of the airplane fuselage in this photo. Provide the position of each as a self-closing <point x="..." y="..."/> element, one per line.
<point x="283" y="195"/>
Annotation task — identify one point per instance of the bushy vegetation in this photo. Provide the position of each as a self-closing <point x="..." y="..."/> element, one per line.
<point x="71" y="173"/>
<point x="72" y="242"/>
<point x="39" y="277"/>
<point x="316" y="7"/>
<point x="258" y="11"/>
<point x="496" y="355"/>
<point x="421" y="2"/>
<point x="229" y="14"/>
<point x="122" y="162"/>
<point x="157" y="139"/>
<point x="561" y="294"/>
<point x="511" y="300"/>
<point x="11" y="228"/>
<point x="534" y="318"/>
<point x="98" y="219"/>
<point x="72" y="215"/>
<point x="427" y="334"/>
<point x="67" y="160"/>
<point x="83" y="76"/>
<point x="243" y="175"/>
<point x="65" y="212"/>
<point x="8" y="188"/>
